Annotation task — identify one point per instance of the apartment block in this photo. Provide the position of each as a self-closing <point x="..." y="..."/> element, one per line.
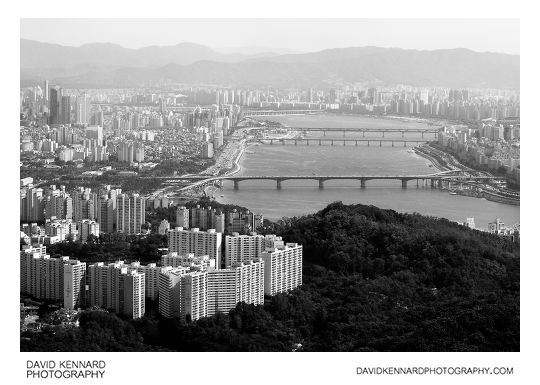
<point x="282" y="268"/>
<point x="197" y="242"/>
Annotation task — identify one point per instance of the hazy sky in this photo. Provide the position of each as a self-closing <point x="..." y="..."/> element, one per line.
<point x="302" y="35"/>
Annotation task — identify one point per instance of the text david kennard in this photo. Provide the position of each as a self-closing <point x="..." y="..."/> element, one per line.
<point x="65" y="369"/>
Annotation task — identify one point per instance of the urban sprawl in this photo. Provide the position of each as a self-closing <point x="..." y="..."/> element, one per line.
<point x="81" y="148"/>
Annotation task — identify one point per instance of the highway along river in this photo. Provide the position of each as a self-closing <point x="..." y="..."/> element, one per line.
<point x="298" y="197"/>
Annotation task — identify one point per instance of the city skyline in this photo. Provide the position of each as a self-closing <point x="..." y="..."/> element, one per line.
<point x="480" y="35"/>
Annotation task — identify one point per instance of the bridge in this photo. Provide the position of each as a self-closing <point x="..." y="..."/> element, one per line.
<point x="321" y="141"/>
<point x="247" y="114"/>
<point x="363" y="130"/>
<point x="446" y="179"/>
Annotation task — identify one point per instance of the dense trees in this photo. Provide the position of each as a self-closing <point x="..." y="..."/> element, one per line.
<point x="374" y="280"/>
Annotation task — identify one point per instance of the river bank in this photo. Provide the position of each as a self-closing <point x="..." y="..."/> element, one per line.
<point x="485" y="192"/>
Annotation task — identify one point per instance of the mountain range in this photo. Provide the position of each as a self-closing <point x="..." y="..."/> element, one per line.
<point x="109" y="65"/>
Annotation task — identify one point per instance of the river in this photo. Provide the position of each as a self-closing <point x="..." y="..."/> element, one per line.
<point x="303" y="197"/>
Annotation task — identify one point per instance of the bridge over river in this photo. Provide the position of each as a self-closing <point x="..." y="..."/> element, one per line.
<point x="447" y="179"/>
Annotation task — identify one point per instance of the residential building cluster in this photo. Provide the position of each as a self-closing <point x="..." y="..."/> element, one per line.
<point x="79" y="213"/>
<point x="191" y="281"/>
<point x="491" y="144"/>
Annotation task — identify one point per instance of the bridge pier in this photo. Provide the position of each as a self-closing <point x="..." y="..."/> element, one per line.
<point x="295" y="142"/>
<point x="343" y="133"/>
<point x="404" y="183"/>
<point x="344" y="143"/>
<point x="324" y="133"/>
<point x="392" y="143"/>
<point x="278" y="184"/>
<point x="404" y="144"/>
<point x="356" y="142"/>
<point x="321" y="184"/>
<point x="308" y="142"/>
<point x="380" y="143"/>
<point x="362" y="184"/>
<point x="402" y="134"/>
<point x="383" y="134"/>
<point x="271" y="141"/>
<point x="319" y="142"/>
<point x="236" y="184"/>
<point x="432" y="183"/>
<point x="332" y="142"/>
<point x="368" y="143"/>
<point x="422" y="134"/>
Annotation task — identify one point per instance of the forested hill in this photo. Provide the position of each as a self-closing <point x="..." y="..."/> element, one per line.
<point x="374" y="280"/>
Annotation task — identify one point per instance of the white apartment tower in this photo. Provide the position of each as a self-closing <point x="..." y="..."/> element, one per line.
<point x="117" y="286"/>
<point x="243" y="248"/>
<point x="282" y="269"/>
<point x="243" y="282"/>
<point x="183" y="294"/>
<point x="74" y="283"/>
<point x="202" y="262"/>
<point x="151" y="278"/>
<point x="197" y="242"/>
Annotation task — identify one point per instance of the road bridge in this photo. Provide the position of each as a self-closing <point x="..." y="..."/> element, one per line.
<point x="447" y="179"/>
<point x="331" y="141"/>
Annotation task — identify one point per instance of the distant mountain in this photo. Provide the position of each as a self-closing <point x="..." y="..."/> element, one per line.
<point x="108" y="65"/>
<point x="37" y="55"/>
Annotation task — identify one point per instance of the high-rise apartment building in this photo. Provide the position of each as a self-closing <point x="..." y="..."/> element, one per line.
<point x="88" y="227"/>
<point x="183" y="294"/>
<point x="130" y="213"/>
<point x="201" y="262"/>
<point x="169" y="290"/>
<point x="106" y="217"/>
<point x="243" y="248"/>
<point x="151" y="278"/>
<point x="117" y="286"/>
<point x="182" y="217"/>
<point x="74" y="284"/>
<point x="243" y="282"/>
<point x="206" y="218"/>
<point x="242" y="222"/>
<point x="197" y="242"/>
<point x="282" y="268"/>
<point x="43" y="276"/>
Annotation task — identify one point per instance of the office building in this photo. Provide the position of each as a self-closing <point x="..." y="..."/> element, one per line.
<point x="282" y="269"/>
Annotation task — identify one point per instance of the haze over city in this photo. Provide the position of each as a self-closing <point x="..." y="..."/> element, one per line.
<point x="252" y="36"/>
